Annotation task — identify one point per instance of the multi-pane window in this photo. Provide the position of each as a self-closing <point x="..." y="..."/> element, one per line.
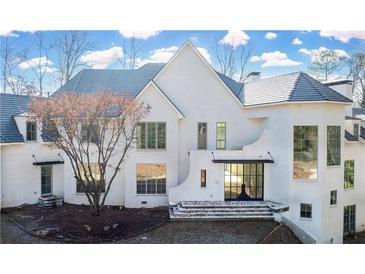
<point x="151" y="136"/>
<point x="356" y="131"/>
<point x="333" y="145"/>
<point x="221" y="135"/>
<point x="151" y="179"/>
<point x="333" y="197"/>
<point x="89" y="174"/>
<point x="46" y="180"/>
<point x="89" y="134"/>
<point x="203" y="177"/>
<point x="349" y="174"/>
<point x="306" y="211"/>
<point x="349" y="219"/>
<point x="31" y="131"/>
<point x="305" y="152"/>
<point x="202" y="136"/>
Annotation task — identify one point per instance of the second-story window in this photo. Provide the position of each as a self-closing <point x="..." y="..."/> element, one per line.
<point x="221" y="135"/>
<point x="333" y="145"/>
<point x="349" y="174"/>
<point x="202" y="136"/>
<point x="356" y="131"/>
<point x="31" y="131"/>
<point x="151" y="135"/>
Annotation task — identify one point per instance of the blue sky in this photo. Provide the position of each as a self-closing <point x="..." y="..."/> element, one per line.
<point x="273" y="53"/>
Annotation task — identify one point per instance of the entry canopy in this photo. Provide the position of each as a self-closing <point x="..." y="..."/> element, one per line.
<point x="47" y="163"/>
<point x="247" y="161"/>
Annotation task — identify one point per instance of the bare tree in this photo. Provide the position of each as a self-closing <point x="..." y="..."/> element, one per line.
<point x="231" y="61"/>
<point x="12" y="80"/>
<point x="326" y="62"/>
<point x="131" y="48"/>
<point x="71" y="45"/>
<point x="356" y="65"/>
<point x="40" y="65"/>
<point x="95" y="131"/>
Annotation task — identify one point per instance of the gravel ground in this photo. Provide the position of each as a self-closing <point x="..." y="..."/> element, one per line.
<point x="193" y="232"/>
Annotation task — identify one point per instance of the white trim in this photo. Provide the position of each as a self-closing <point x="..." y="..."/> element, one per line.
<point x="188" y="43"/>
<point x="180" y="115"/>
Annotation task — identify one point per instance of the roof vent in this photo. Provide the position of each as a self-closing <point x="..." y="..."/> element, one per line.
<point x="253" y="76"/>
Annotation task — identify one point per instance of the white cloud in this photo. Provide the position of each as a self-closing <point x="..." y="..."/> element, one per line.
<point x="100" y="59"/>
<point x="44" y="62"/>
<point x="139" y="34"/>
<point x="343" y="36"/>
<point x="8" y="33"/>
<point x="163" y="55"/>
<point x="297" y="41"/>
<point x="274" y="59"/>
<point x="271" y="35"/>
<point x="235" y="38"/>
<point x="314" y="53"/>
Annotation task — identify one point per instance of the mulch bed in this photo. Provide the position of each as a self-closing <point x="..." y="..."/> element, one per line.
<point x="281" y="235"/>
<point x="77" y="224"/>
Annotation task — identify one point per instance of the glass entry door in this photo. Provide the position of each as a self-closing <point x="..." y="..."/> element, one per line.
<point x="46" y="180"/>
<point x="244" y="181"/>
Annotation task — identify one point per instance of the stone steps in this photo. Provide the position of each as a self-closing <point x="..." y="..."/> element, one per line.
<point x="220" y="211"/>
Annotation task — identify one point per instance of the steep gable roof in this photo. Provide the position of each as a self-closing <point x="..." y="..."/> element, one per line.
<point x="11" y="105"/>
<point x="292" y="87"/>
<point x="125" y="82"/>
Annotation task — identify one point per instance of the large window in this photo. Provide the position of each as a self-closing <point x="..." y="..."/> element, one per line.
<point x="151" y="136"/>
<point x="88" y="175"/>
<point x="349" y="174"/>
<point x="349" y="219"/>
<point x="305" y="152"/>
<point x="46" y="180"/>
<point x="151" y="179"/>
<point x="90" y="134"/>
<point x="306" y="211"/>
<point x="31" y="131"/>
<point x="333" y="145"/>
<point x="202" y="136"/>
<point x="221" y="135"/>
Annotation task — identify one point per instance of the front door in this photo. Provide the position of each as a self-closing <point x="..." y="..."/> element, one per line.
<point x="46" y="180"/>
<point x="243" y="181"/>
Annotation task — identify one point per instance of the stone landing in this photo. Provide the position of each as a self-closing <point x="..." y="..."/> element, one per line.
<point x="225" y="210"/>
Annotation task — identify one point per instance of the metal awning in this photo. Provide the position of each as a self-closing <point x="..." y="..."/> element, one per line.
<point x="47" y="163"/>
<point x="247" y="161"/>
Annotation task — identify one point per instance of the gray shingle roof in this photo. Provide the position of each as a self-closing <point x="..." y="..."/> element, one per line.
<point x="358" y="111"/>
<point x="292" y="87"/>
<point x="125" y="82"/>
<point x="234" y="86"/>
<point x="11" y="105"/>
<point x="350" y="137"/>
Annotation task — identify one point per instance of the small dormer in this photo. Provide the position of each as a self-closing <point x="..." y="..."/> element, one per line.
<point x="352" y="128"/>
<point x="28" y="127"/>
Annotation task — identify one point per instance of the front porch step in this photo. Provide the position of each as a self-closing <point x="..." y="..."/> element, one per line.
<point x="187" y="210"/>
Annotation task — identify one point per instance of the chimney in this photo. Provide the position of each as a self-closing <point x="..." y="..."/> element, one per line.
<point x="343" y="87"/>
<point x="253" y="76"/>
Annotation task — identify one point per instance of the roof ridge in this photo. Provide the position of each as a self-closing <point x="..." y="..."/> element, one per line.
<point x="294" y="86"/>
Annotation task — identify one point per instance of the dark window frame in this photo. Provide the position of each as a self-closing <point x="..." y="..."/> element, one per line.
<point x="80" y="188"/>
<point x="31" y="131"/>
<point x="301" y="150"/>
<point x="46" y="174"/>
<point x="144" y="132"/>
<point x="349" y="176"/>
<point x="202" y="140"/>
<point x="333" y="145"/>
<point x="356" y="130"/>
<point x="203" y="177"/>
<point x="219" y="141"/>
<point x="306" y="211"/>
<point x="349" y="219"/>
<point x="333" y="197"/>
<point x="158" y="185"/>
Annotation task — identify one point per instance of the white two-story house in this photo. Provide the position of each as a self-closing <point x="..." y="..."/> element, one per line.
<point x="288" y="139"/>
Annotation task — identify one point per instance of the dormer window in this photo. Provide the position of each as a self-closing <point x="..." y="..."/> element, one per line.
<point x="31" y="131"/>
<point x="356" y="131"/>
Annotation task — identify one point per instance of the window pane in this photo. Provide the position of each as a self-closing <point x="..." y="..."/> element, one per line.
<point x="91" y="177"/>
<point x="221" y="135"/>
<point x="305" y="152"/>
<point x="151" y="178"/>
<point x="161" y="135"/>
<point x="356" y="130"/>
<point x="202" y="135"/>
<point x="333" y="145"/>
<point x="31" y="131"/>
<point x="349" y="173"/>
<point x="203" y="177"/>
<point x="141" y="136"/>
<point x="151" y="131"/>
